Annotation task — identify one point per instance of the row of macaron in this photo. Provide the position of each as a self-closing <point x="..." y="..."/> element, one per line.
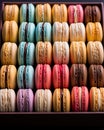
<point x="44" y="31"/>
<point x="47" y="77"/>
<point x="79" y="99"/>
<point x="27" y="53"/>
<point x="51" y="13"/>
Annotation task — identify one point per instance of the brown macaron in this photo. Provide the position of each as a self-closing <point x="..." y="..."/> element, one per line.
<point x="78" y="75"/>
<point x="96" y="75"/>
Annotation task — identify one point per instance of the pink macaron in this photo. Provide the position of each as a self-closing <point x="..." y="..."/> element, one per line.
<point x="75" y="13"/>
<point x="25" y="98"/>
<point x="79" y="98"/>
<point x="60" y="76"/>
<point x="43" y="76"/>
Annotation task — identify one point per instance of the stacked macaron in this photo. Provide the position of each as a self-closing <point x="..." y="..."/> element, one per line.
<point x="60" y="53"/>
<point x="78" y="59"/>
<point x="26" y="58"/>
<point x="8" y="56"/>
<point x="95" y="56"/>
<point x="43" y="93"/>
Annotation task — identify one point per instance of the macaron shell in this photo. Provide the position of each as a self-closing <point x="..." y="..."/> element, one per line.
<point x="43" y="53"/>
<point x="26" y="53"/>
<point x="78" y="53"/>
<point x="102" y="98"/>
<point x="43" y="13"/>
<point x="11" y="12"/>
<point x="8" y="76"/>
<point x="61" y="53"/>
<point x="95" y="52"/>
<point x="9" y="53"/>
<point x="12" y="28"/>
<point x="77" y="32"/>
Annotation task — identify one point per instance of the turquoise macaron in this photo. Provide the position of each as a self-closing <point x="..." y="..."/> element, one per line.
<point x="26" y="53"/>
<point x="27" y="32"/>
<point x="27" y="13"/>
<point x="43" y="32"/>
<point x="25" y="77"/>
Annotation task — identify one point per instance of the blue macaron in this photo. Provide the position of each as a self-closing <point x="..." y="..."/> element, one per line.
<point x="43" y="32"/>
<point x="25" y="77"/>
<point x="26" y="53"/>
<point x="27" y="32"/>
<point x="27" y="13"/>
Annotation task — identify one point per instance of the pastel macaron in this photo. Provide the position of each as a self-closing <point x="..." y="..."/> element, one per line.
<point x="61" y="100"/>
<point x="8" y="77"/>
<point x="60" y="32"/>
<point x="43" y="32"/>
<point x="43" y="100"/>
<point x="7" y="100"/>
<point x="43" y="76"/>
<point x="96" y="99"/>
<point x="94" y="31"/>
<point x="25" y="100"/>
<point x="26" y="53"/>
<point x="75" y="13"/>
<point x="59" y="13"/>
<point x="60" y="76"/>
<point x="96" y="75"/>
<point x="43" y="53"/>
<point x="77" y="32"/>
<point x="27" y="13"/>
<point x="11" y="12"/>
<point x="27" y="32"/>
<point x="79" y="99"/>
<point x="78" y="75"/>
<point x="95" y="52"/>
<point x="25" y="77"/>
<point x="78" y="53"/>
<point x="43" y="13"/>
<point x="9" y="53"/>
<point x="60" y="52"/>
<point x="92" y="13"/>
<point x="10" y="31"/>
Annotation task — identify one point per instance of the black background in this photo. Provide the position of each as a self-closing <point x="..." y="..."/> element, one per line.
<point x="31" y="120"/>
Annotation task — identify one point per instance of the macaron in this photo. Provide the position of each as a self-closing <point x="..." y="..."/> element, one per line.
<point x="95" y="52"/>
<point x="43" y="53"/>
<point x="60" y="76"/>
<point x="25" y="100"/>
<point x="60" y="32"/>
<point x="75" y="13"/>
<point x="8" y="77"/>
<point x="26" y="53"/>
<point x="10" y="31"/>
<point x="25" y="77"/>
<point x="102" y="98"/>
<point x="92" y="13"/>
<point x="60" y="52"/>
<point x="77" y="32"/>
<point x="8" y="53"/>
<point x="27" y="32"/>
<point x="78" y="75"/>
<point x="27" y="12"/>
<point x="94" y="31"/>
<point x="11" y="12"/>
<point x="96" y="75"/>
<point x="43" y="32"/>
<point x="43" y="13"/>
<point x="78" y="53"/>
<point x="43" y="76"/>
<point x="95" y="99"/>
<point x="59" y="13"/>
<point x="7" y="100"/>
<point x="43" y="100"/>
<point x="79" y="99"/>
<point x="61" y="100"/>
